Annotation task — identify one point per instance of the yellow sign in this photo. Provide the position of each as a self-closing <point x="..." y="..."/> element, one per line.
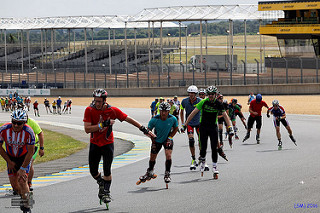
<point x="289" y="6"/>
<point x="265" y="30"/>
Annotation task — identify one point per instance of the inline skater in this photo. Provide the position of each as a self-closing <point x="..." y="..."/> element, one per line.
<point x="240" y="115"/>
<point x="69" y="106"/>
<point x="98" y="120"/>
<point x="166" y="126"/>
<point x="233" y="107"/>
<point x="188" y="104"/>
<point x="279" y="116"/>
<point x="35" y="108"/>
<point x="153" y="107"/>
<point x="161" y="99"/>
<point x="250" y="98"/>
<point x="202" y="93"/>
<point x="54" y="107"/>
<point x="47" y="105"/>
<point x="210" y="107"/>
<point x="19" y="151"/>
<point x="59" y="102"/>
<point x="39" y="143"/>
<point x="255" y="109"/>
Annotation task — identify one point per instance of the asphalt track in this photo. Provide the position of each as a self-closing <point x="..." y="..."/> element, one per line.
<point x="257" y="178"/>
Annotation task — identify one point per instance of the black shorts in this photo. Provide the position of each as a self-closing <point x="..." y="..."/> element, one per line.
<point x="251" y="120"/>
<point x="18" y="161"/>
<point x="156" y="147"/>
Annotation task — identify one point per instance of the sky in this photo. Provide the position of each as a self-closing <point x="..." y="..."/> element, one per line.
<point x="53" y="8"/>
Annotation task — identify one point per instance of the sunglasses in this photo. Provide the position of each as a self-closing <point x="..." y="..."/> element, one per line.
<point x="17" y="123"/>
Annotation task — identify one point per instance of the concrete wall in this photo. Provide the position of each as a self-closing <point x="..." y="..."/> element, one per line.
<point x="290" y="89"/>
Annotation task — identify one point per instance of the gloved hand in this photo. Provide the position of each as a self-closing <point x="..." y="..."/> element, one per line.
<point x="183" y="129"/>
<point x="230" y="130"/>
<point x="144" y="130"/>
<point x="268" y="115"/>
<point x="222" y="154"/>
<point x="169" y="142"/>
<point x="106" y="123"/>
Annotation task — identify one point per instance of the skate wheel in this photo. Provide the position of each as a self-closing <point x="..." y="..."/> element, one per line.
<point x="167" y="185"/>
<point x="215" y="176"/>
<point x="201" y="174"/>
<point x="138" y="183"/>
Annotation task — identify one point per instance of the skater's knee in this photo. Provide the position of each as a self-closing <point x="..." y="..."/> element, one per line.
<point x="191" y="142"/>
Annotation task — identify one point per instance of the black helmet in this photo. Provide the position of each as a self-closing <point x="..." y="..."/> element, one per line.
<point x="234" y="101"/>
<point x="100" y="93"/>
<point x="165" y="106"/>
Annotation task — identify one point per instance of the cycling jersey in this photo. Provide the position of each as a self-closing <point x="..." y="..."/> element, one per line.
<point x="232" y="110"/>
<point x="35" y="127"/>
<point x="277" y="112"/>
<point x="257" y="107"/>
<point x="92" y="115"/>
<point x="209" y="111"/>
<point x="16" y="142"/>
<point x="189" y="107"/>
<point x="162" y="128"/>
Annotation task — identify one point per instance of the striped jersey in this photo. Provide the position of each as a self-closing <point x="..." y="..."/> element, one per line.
<point x="16" y="142"/>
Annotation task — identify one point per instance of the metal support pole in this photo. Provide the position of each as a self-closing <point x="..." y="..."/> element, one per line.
<point x="245" y="44"/>
<point x="149" y="53"/>
<point x="231" y="43"/>
<point x="85" y="51"/>
<point x="206" y="22"/>
<point x="218" y="74"/>
<point x="244" y="72"/>
<point x="21" y="54"/>
<point x="301" y="70"/>
<point x="161" y="47"/>
<point x="135" y="55"/>
<point x="41" y="44"/>
<point x="45" y="45"/>
<point x="114" y="36"/>
<point x="260" y="46"/>
<point x="110" y="57"/>
<point x="153" y="45"/>
<point x="258" y="80"/>
<point x="74" y="40"/>
<point x="201" y="55"/>
<point x="5" y="51"/>
<point x="29" y="57"/>
<point x="91" y="36"/>
<point x="52" y="51"/>
<point x="287" y="71"/>
<point x="126" y="52"/>
<point x="271" y="71"/>
<point x="74" y="79"/>
<point x="180" y="46"/>
<point x="186" y="54"/>
<point x="69" y="46"/>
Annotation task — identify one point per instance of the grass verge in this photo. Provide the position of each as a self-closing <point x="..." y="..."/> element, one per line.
<point x="56" y="146"/>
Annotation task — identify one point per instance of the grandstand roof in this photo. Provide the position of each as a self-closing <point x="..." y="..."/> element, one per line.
<point x="167" y="15"/>
<point x="76" y="22"/>
<point x="207" y="12"/>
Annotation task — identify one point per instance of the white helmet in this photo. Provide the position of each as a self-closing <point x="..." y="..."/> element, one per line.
<point x="193" y="89"/>
<point x="275" y="102"/>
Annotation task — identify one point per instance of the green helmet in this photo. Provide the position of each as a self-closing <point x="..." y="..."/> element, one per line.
<point x="212" y="89"/>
